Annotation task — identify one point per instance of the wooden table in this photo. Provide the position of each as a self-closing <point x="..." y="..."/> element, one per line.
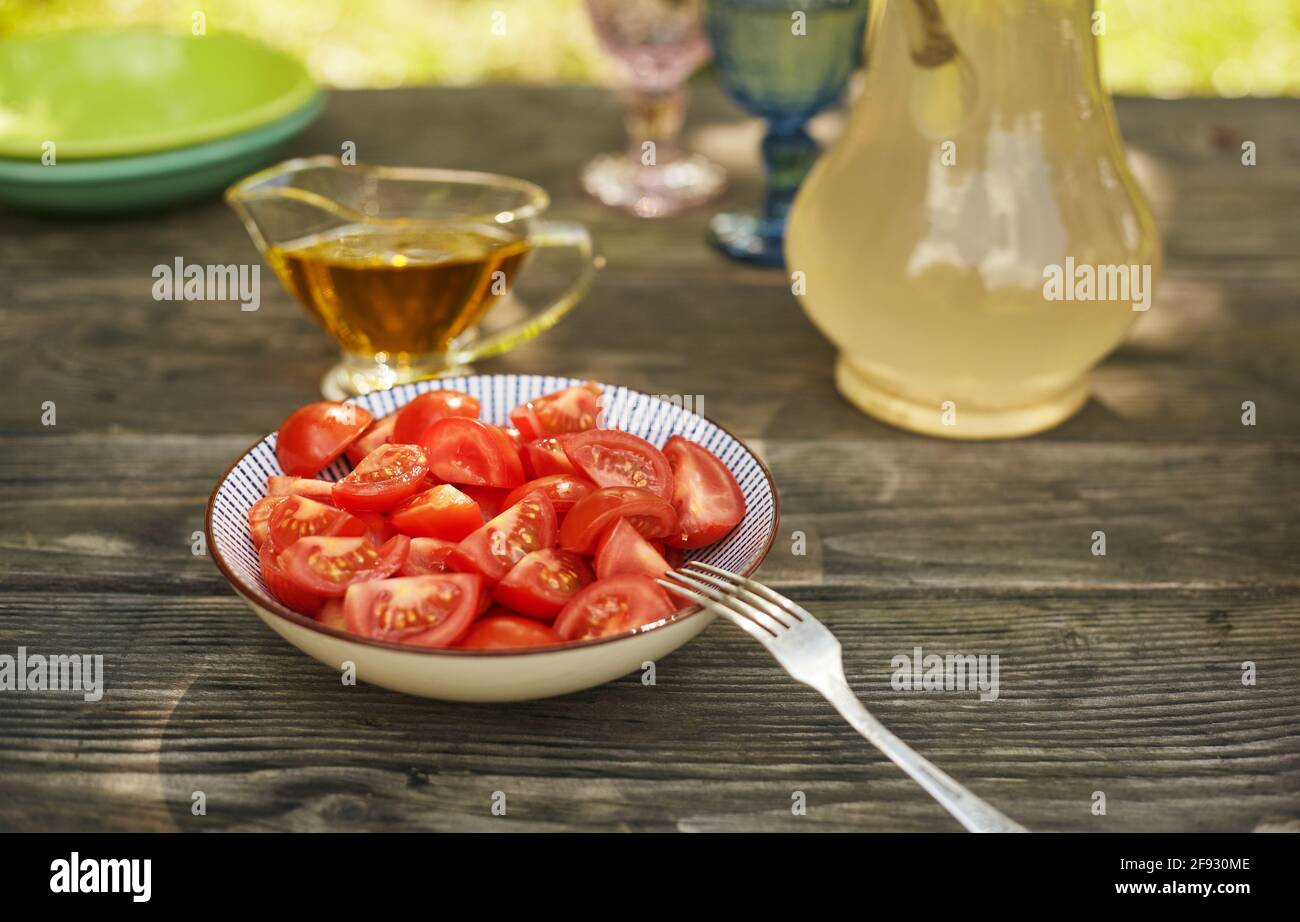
<point x="1120" y="674"/>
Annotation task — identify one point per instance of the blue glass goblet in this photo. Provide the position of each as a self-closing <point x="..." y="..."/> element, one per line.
<point x="785" y="61"/>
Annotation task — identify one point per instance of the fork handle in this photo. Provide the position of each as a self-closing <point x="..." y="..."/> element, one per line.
<point x="972" y="812"/>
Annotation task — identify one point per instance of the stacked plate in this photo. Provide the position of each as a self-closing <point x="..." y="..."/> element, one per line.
<point x="99" y="122"/>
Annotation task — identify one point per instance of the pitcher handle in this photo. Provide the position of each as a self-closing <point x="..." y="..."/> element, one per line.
<point x="545" y="235"/>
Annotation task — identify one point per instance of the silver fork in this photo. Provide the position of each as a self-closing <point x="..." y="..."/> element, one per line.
<point x="811" y="654"/>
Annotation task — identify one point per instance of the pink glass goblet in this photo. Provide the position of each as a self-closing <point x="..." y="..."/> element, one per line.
<point x="657" y="45"/>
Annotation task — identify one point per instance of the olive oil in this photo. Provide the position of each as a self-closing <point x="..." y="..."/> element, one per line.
<point x="399" y="291"/>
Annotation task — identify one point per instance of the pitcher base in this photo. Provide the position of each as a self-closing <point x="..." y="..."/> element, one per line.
<point x="955" y="420"/>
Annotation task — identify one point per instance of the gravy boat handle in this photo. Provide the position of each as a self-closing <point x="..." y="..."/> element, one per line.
<point x="544" y="235"/>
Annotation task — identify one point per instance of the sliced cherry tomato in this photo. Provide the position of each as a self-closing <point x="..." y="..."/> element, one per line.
<point x="414" y="419"/>
<point x="612" y="458"/>
<point x="543" y="581"/>
<point x="423" y="611"/>
<point x="385" y="478"/>
<point x="463" y="450"/>
<point x="300" y="517"/>
<point x="543" y="457"/>
<point x="491" y="500"/>
<point x="564" y="491"/>
<point x="706" y="497"/>
<point x="527" y="526"/>
<point x="328" y="566"/>
<point x="378" y="528"/>
<point x="612" y="606"/>
<point x="599" y="510"/>
<point x="570" y="410"/>
<point x="427" y="556"/>
<point x="320" y="490"/>
<point x="507" y="632"/>
<point x="443" y="512"/>
<point x="259" y="518"/>
<point x="283" y="588"/>
<point x="623" y="550"/>
<point x="316" y="434"/>
<point x="380" y="432"/>
<point x="513" y="435"/>
<point x="331" y="614"/>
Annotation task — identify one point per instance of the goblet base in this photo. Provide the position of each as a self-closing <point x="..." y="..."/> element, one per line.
<point x="749" y="238"/>
<point x="961" y="420"/>
<point x="653" y="191"/>
<point x="356" y="376"/>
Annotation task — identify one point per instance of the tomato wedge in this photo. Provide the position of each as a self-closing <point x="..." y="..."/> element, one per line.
<point x="597" y="512"/>
<point x="612" y="458"/>
<point x="283" y="588"/>
<point x="259" y="518"/>
<point x="443" y="512"/>
<point x="570" y="410"/>
<point x="463" y="450"/>
<point x="564" y="491"/>
<point x="380" y="432"/>
<point x="316" y="434"/>
<point x="422" y="611"/>
<point x="543" y="457"/>
<point x="527" y="526"/>
<point x="331" y="614"/>
<point x="706" y="497"/>
<point x="490" y="499"/>
<point x="414" y="419"/>
<point x="299" y="517"/>
<point x="623" y="550"/>
<point x="320" y="490"/>
<point x="612" y="606"/>
<point x="378" y="528"/>
<point x="543" y="581"/>
<point x="385" y="478"/>
<point x="327" y="566"/>
<point x="507" y="632"/>
<point x="427" y="556"/>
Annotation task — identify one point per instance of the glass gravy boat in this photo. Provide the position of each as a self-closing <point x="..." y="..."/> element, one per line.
<point x="410" y="270"/>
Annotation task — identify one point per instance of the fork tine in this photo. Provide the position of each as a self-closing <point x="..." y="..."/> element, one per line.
<point x="772" y="625"/>
<point x="759" y="633"/>
<point x="741" y="595"/>
<point x="744" y="586"/>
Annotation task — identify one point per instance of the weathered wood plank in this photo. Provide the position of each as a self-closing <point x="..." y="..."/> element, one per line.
<point x="719" y="742"/>
<point x="908" y="515"/>
<point x="96" y="343"/>
<point x="1119" y="674"/>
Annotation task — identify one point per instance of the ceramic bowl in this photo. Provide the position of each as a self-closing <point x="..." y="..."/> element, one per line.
<point x="100" y="93"/>
<point x="120" y="185"/>
<point x="514" y="675"/>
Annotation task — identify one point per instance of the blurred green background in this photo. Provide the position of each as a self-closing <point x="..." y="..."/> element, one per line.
<point x="1155" y="47"/>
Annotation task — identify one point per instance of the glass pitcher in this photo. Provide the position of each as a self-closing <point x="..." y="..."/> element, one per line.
<point x="974" y="243"/>
<point x="410" y="270"/>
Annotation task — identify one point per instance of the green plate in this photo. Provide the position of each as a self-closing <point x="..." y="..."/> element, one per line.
<point x="123" y="184"/>
<point x="122" y="93"/>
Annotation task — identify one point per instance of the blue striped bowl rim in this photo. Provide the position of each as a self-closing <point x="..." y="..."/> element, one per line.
<point x="652" y="418"/>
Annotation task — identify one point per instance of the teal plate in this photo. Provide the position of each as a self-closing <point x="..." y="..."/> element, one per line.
<point x="118" y="185"/>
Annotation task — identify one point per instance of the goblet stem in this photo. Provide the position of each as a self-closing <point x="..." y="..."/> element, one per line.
<point x="654" y="125"/>
<point x="788" y="154"/>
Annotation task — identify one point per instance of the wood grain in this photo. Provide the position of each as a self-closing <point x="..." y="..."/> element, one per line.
<point x="1138" y="696"/>
<point x="1119" y="674"/>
